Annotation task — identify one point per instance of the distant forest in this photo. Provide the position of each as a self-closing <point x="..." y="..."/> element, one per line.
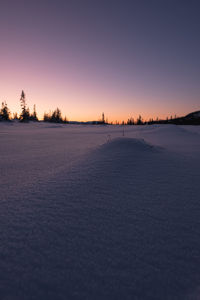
<point x="56" y="117"/>
<point x="26" y="116"/>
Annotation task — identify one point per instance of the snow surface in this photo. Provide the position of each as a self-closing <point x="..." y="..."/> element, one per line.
<point x="87" y="213"/>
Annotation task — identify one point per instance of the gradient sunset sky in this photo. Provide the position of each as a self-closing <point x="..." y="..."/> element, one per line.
<point x="122" y="57"/>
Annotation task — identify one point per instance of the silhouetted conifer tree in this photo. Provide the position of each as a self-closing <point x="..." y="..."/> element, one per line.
<point x="33" y="116"/>
<point x="103" y="118"/>
<point x="65" y="120"/>
<point x="54" y="117"/>
<point x="139" y="120"/>
<point x="46" y="117"/>
<point x="25" y="114"/>
<point x="4" y="112"/>
<point x="130" y="121"/>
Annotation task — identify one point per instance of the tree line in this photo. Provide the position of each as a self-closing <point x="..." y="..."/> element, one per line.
<point x="56" y="117"/>
<point x="26" y="116"/>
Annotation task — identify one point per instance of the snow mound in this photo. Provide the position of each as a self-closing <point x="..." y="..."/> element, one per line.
<point x="127" y="145"/>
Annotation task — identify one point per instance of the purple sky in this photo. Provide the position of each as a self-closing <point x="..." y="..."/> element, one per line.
<point x="121" y="57"/>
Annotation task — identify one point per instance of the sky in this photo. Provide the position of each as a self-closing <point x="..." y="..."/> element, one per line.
<point x="120" y="57"/>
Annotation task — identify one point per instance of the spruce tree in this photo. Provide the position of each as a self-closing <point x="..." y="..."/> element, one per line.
<point x="25" y="114"/>
<point x="33" y="116"/>
<point x="4" y="112"/>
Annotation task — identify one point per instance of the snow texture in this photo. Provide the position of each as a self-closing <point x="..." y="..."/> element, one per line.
<point x="87" y="213"/>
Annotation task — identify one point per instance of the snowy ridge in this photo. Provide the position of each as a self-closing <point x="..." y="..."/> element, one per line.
<point x="127" y="144"/>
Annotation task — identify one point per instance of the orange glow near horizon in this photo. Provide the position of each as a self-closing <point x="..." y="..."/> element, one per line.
<point x="83" y="96"/>
<point x="76" y="109"/>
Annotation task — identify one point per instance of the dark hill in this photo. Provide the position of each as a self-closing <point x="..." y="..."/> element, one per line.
<point x="193" y="115"/>
<point x="190" y="119"/>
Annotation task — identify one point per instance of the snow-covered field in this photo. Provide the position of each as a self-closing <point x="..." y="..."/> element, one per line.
<point x="87" y="213"/>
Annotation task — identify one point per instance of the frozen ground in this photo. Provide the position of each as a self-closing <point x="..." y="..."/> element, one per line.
<point x="87" y="213"/>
